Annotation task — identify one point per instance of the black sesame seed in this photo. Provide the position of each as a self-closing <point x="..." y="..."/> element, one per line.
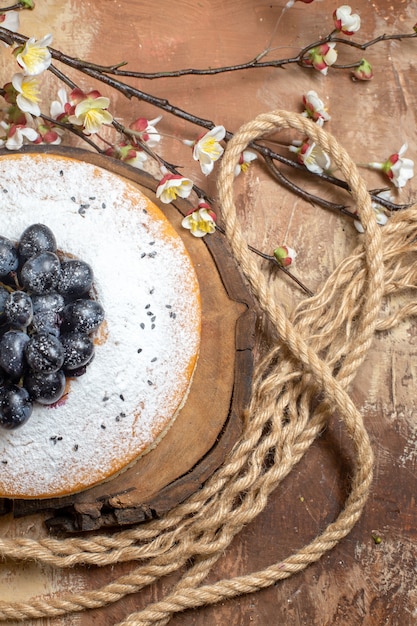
<point x="103" y="426"/>
<point x="122" y="398"/>
<point x="153" y="318"/>
<point x="149" y="313"/>
<point x="154" y="359"/>
<point x="61" y="173"/>
<point x="151" y="243"/>
<point x="142" y="325"/>
<point x="73" y="199"/>
<point x="139" y="350"/>
<point x="147" y="306"/>
<point x="150" y="382"/>
<point x="168" y="306"/>
<point x="75" y="448"/>
<point x="117" y="418"/>
<point x="152" y="326"/>
<point x="103" y="205"/>
<point x="4" y="462"/>
<point x="142" y="256"/>
<point x="5" y="191"/>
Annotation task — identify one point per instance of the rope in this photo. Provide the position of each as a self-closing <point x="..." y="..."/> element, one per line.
<point x="298" y="386"/>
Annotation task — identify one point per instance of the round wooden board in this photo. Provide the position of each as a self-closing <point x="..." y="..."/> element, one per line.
<point x="208" y="424"/>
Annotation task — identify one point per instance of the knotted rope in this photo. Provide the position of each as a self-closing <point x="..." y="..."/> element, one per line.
<point x="296" y="389"/>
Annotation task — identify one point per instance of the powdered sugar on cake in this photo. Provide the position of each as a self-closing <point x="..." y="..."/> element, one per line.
<point x="147" y="285"/>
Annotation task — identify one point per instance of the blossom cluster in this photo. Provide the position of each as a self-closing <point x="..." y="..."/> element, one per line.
<point x="24" y="120"/>
<point x="22" y="93"/>
<point x="396" y="168"/>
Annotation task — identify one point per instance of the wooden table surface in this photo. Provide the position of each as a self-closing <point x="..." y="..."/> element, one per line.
<point x="360" y="581"/>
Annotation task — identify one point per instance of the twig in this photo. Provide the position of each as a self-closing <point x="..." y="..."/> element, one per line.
<point x="272" y="259"/>
<point x="114" y="69"/>
<point x="13" y="7"/>
<point x="309" y="197"/>
<point x="286" y="271"/>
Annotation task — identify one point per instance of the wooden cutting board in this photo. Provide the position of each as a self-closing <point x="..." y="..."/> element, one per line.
<point x="208" y="424"/>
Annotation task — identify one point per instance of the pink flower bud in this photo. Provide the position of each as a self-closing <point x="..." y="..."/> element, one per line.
<point x="284" y="255"/>
<point x="363" y="71"/>
<point x="314" y="107"/>
<point x="322" y="56"/>
<point x="345" y="21"/>
<point x="397" y="168"/>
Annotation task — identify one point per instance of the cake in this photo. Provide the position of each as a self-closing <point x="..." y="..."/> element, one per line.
<point x="146" y="348"/>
